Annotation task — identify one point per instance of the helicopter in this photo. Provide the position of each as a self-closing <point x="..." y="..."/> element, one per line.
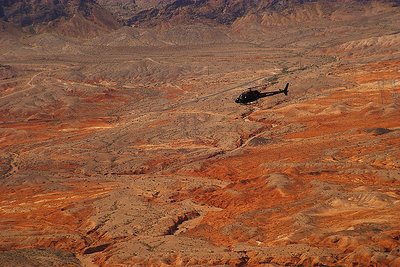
<point x="251" y="95"/>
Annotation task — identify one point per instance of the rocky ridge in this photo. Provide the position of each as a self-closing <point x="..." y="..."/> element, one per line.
<point x="125" y="147"/>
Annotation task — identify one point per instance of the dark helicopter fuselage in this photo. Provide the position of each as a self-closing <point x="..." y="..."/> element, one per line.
<point x="253" y="95"/>
<point x="248" y="97"/>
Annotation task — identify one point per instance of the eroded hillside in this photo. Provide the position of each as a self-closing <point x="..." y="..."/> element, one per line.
<point x="126" y="148"/>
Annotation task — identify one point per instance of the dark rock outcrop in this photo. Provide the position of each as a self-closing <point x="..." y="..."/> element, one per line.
<point x="39" y="14"/>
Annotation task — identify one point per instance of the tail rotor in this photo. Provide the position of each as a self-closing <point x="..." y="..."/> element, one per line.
<point x="285" y="91"/>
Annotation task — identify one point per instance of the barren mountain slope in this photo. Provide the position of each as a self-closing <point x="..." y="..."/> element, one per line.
<point x="128" y="149"/>
<point x="228" y="11"/>
<point x="73" y="18"/>
<point x="125" y="9"/>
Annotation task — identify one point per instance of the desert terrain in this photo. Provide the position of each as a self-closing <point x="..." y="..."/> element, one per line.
<point x="121" y="143"/>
